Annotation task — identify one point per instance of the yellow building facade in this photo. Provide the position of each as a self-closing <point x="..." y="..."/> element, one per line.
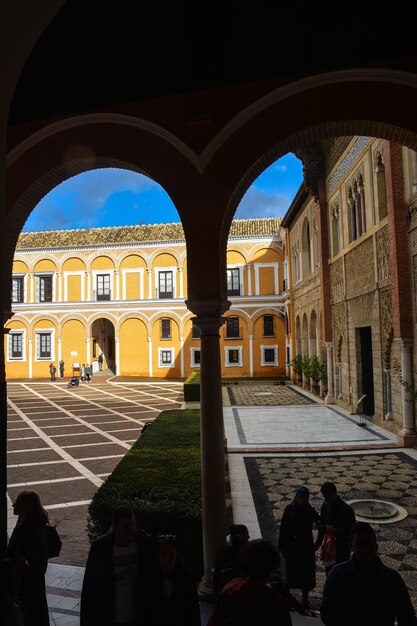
<point x="121" y="292"/>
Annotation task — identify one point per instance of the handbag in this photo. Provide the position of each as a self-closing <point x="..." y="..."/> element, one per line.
<point x="328" y="549"/>
<point x="53" y="542"/>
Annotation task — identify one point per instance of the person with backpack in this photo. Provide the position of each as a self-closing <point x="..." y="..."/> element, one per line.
<point x="29" y="541"/>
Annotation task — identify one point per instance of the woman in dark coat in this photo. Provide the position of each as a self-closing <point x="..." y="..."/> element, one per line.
<point x="296" y="543"/>
<point x="171" y="589"/>
<point x="28" y="541"/>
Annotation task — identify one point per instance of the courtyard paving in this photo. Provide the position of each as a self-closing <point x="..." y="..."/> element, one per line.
<point x="65" y="442"/>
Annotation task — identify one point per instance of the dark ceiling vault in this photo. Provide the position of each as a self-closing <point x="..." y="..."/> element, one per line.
<point x="97" y="55"/>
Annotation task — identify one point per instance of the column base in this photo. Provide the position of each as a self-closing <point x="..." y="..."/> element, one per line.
<point x="205" y="591"/>
<point x="407" y="440"/>
<point x="329" y="399"/>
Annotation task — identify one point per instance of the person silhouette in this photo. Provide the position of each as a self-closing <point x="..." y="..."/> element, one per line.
<point x="296" y="544"/>
<point x="28" y="541"/>
<point x="364" y="591"/>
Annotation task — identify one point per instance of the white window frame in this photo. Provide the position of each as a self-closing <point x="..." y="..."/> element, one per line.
<point x="165" y="365"/>
<point x="39" y="275"/>
<point x="25" y="278"/>
<point x="269" y="364"/>
<point x="18" y="359"/>
<point x="157" y="271"/>
<point x="133" y="270"/>
<point x="102" y="272"/>
<point x="192" y="357"/>
<point x="75" y="273"/>
<point x="43" y="331"/>
<point x="240" y="267"/>
<point x="226" y="356"/>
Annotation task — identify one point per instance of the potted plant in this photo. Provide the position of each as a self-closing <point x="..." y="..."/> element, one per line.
<point x="297" y="366"/>
<point x="306" y="368"/>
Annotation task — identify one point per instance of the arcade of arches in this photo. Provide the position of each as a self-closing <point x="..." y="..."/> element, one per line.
<point x="205" y="146"/>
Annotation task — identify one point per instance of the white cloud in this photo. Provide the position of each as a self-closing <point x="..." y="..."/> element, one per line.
<point x="280" y="168"/>
<point x="257" y="203"/>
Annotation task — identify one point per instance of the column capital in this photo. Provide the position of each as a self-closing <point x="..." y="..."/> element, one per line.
<point x="406" y="344"/>
<point x="149" y="270"/>
<point x="329" y="344"/>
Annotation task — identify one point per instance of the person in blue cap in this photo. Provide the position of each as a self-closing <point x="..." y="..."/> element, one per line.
<point x="296" y="544"/>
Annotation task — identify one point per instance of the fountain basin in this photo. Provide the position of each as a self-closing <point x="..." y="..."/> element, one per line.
<point x="377" y="511"/>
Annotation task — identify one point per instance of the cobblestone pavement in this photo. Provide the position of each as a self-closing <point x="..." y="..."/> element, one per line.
<point x="265" y="395"/>
<point x="65" y="442"/>
<point x="387" y="476"/>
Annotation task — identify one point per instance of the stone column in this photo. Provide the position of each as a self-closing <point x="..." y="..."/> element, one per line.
<point x="388" y="414"/>
<point x="149" y="284"/>
<point x="209" y="321"/>
<point x="88" y="274"/>
<point x="117" y="280"/>
<point x="182" y="357"/>
<point x="59" y="280"/>
<point x="181" y="282"/>
<point x="117" y="356"/>
<point x="414" y="172"/>
<point x="31" y="277"/>
<point x="150" y="367"/>
<point x="251" y="356"/>
<point x="30" y="358"/>
<point x="407" y="435"/>
<point x="249" y="266"/>
<point x="88" y="352"/>
<point x="330" y="384"/>
<point x="59" y="342"/>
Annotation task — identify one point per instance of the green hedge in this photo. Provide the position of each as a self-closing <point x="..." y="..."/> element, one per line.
<point x="160" y="477"/>
<point x="192" y="387"/>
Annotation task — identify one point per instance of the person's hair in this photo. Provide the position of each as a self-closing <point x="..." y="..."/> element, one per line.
<point x="33" y="505"/>
<point x="361" y="528"/>
<point x="239" y="535"/>
<point x="259" y="558"/>
<point x="181" y="564"/>
<point x="328" y="489"/>
<point x="123" y="511"/>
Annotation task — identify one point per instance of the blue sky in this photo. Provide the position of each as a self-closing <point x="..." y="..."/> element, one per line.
<point x="115" y="197"/>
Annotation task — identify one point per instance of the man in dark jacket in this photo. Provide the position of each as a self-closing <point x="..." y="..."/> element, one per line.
<point x="364" y="591"/>
<point x="115" y="571"/>
<point x="336" y="515"/>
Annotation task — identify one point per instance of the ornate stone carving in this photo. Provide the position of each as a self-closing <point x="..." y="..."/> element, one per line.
<point x="337" y="280"/>
<point x="339" y="328"/>
<point x="360" y="273"/>
<point x="347" y="163"/>
<point x="387" y="331"/>
<point x="382" y="254"/>
<point x="361" y="309"/>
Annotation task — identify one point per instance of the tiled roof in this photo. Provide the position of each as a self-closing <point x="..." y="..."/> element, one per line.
<point x="259" y="227"/>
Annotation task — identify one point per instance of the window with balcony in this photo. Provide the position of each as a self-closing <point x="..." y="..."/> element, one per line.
<point x="232" y="328"/>
<point x="165" y="284"/>
<point x="165" y="328"/>
<point x="18" y="294"/>
<point x="16" y="345"/>
<point x="233" y="281"/>
<point x="103" y="291"/>
<point x="45" y="288"/>
<point x="268" y="326"/>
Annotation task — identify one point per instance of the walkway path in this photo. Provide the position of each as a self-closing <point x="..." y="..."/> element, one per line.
<point x="292" y="440"/>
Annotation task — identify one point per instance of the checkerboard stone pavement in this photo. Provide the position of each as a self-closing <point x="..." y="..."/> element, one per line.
<point x="266" y="395"/>
<point x="383" y="476"/>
